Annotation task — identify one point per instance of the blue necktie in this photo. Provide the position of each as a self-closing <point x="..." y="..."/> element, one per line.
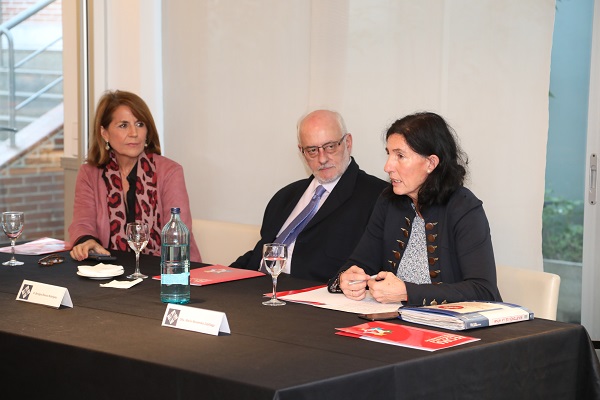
<point x="295" y="227"/>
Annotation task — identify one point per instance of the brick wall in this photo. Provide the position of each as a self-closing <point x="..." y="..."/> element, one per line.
<point x="34" y="183"/>
<point x="51" y="13"/>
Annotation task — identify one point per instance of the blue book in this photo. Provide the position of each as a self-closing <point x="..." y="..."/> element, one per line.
<point x="466" y="315"/>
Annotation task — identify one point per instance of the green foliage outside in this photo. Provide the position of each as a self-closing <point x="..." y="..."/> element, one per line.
<point x="562" y="231"/>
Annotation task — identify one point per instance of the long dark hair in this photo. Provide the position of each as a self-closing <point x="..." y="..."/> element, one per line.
<point x="427" y="133"/>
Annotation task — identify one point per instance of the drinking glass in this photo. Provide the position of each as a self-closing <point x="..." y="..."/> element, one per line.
<point x="137" y="237"/>
<point x="12" y="225"/>
<point x="274" y="259"/>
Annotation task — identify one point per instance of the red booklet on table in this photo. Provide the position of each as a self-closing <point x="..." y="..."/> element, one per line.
<point x="217" y="274"/>
<point x="405" y="336"/>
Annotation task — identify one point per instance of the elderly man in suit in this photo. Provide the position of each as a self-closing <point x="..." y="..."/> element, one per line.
<point x="340" y="197"/>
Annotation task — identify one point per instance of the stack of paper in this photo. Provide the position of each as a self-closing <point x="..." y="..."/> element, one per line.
<point x="466" y="315"/>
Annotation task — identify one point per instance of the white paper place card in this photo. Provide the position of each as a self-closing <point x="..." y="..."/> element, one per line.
<point x="195" y="319"/>
<point x="47" y="295"/>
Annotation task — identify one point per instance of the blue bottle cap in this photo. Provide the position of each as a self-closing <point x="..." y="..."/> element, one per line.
<point x="175" y="210"/>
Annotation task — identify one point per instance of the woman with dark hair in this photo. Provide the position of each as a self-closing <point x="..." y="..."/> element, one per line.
<point x="125" y="179"/>
<point x="428" y="240"/>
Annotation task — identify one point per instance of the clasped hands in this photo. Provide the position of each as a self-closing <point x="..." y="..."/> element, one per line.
<point x="385" y="287"/>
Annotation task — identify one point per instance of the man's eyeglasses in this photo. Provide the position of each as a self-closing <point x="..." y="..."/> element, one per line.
<point x="329" y="148"/>
<point x="51" y="260"/>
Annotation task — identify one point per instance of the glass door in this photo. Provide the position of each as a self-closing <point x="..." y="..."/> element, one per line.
<point x="31" y="115"/>
<point x="570" y="218"/>
<point x="590" y="306"/>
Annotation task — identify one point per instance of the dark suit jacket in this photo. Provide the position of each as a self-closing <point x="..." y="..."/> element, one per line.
<point x="330" y="236"/>
<point x="461" y="257"/>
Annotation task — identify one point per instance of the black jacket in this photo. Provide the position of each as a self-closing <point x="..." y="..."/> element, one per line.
<point x="461" y="257"/>
<point x="329" y="238"/>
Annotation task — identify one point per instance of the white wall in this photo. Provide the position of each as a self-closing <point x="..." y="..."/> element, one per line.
<point x="127" y="51"/>
<point x="236" y="75"/>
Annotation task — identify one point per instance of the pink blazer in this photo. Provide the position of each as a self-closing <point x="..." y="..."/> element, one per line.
<point x="90" y="211"/>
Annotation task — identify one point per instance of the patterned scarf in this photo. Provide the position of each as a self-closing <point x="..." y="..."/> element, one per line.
<point x="147" y="203"/>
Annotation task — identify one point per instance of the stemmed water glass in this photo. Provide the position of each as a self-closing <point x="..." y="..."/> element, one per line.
<point x="12" y="225"/>
<point x="274" y="259"/>
<point x="137" y="237"/>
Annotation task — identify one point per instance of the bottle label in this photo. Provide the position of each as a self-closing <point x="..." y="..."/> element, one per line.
<point x="175" y="279"/>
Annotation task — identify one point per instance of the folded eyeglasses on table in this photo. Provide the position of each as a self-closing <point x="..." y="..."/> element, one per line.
<point x="50" y="260"/>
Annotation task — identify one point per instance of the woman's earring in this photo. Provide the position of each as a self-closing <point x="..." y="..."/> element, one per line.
<point x="107" y="146"/>
<point x="146" y="144"/>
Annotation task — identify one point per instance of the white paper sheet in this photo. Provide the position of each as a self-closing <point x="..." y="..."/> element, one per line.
<point x="121" y="284"/>
<point x="337" y="301"/>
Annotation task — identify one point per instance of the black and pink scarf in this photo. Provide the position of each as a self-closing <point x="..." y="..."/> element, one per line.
<point x="147" y="203"/>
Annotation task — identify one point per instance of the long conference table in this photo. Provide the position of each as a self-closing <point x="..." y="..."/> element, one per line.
<point x="112" y="345"/>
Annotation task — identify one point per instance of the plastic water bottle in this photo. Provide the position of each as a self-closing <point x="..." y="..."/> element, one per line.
<point x="175" y="261"/>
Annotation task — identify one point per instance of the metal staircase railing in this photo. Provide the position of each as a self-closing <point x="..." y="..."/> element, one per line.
<point x="13" y="107"/>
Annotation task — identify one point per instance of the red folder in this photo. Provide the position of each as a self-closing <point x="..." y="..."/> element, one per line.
<point x="217" y="274"/>
<point x="406" y="336"/>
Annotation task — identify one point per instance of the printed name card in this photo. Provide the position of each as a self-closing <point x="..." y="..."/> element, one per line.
<point x="47" y="295"/>
<point x="195" y="319"/>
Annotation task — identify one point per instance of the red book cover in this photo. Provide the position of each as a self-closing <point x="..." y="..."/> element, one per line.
<point x="405" y="336"/>
<point x="290" y="292"/>
<point x="217" y="274"/>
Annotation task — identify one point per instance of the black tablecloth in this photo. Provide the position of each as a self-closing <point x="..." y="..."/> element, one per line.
<point x="111" y="345"/>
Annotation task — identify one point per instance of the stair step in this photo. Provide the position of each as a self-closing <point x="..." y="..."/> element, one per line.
<point x="42" y="60"/>
<point x="35" y="108"/>
<point x="29" y="83"/>
<point x="33" y="71"/>
<point x="23" y="95"/>
<point x="20" y="119"/>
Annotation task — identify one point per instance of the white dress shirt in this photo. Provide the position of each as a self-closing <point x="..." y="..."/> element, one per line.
<point x="302" y="203"/>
